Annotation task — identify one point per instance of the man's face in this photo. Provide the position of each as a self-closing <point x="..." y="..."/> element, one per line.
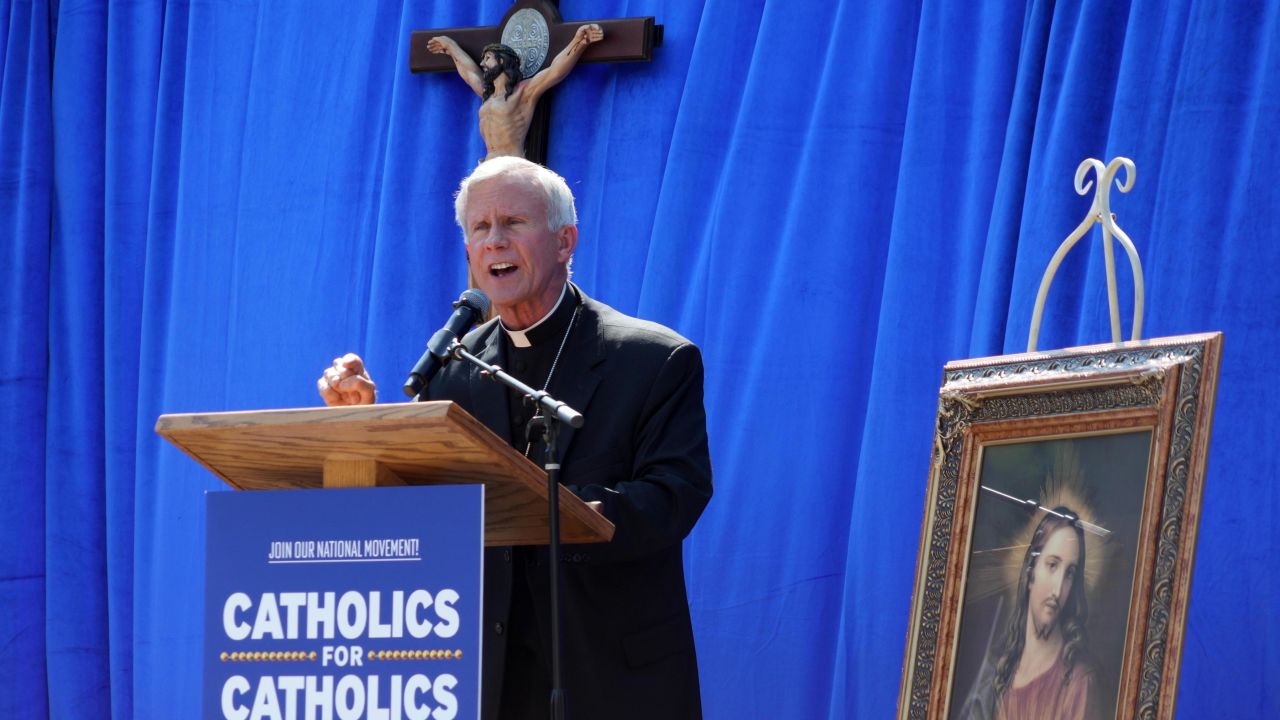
<point x="514" y="258"/>
<point x="1053" y="579"/>
<point x="491" y="67"/>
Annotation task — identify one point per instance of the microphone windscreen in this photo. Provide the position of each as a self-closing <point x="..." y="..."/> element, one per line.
<point x="476" y="300"/>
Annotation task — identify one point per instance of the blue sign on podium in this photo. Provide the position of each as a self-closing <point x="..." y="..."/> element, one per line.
<point x="341" y="604"/>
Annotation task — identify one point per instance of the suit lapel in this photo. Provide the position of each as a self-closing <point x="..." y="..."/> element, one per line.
<point x="488" y="398"/>
<point x="579" y="373"/>
<point x="575" y="381"/>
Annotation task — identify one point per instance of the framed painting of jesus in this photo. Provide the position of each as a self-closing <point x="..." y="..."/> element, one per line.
<point x="1060" y="523"/>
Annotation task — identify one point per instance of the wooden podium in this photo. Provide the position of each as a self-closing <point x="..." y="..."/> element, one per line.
<point x="415" y="443"/>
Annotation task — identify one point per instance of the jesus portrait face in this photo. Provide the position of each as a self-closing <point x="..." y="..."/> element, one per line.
<point x="1052" y="580"/>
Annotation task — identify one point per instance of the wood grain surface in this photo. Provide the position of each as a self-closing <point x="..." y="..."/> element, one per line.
<point x="427" y="443"/>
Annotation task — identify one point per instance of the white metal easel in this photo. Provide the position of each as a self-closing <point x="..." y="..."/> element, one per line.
<point x="1099" y="212"/>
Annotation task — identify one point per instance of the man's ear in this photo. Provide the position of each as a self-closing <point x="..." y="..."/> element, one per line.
<point x="567" y="237"/>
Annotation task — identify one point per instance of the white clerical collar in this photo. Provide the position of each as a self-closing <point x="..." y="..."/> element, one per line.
<point x="519" y="338"/>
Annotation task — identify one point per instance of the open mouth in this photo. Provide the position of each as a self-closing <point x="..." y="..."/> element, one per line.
<point x="501" y="269"/>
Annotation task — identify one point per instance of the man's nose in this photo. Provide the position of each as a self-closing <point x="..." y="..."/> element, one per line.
<point x="1057" y="584"/>
<point x="496" y="238"/>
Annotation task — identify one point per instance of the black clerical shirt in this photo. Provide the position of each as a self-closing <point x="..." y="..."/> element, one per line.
<point x="532" y="365"/>
<point x="526" y="675"/>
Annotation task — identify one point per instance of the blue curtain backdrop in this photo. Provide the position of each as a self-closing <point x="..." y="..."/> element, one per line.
<point x="202" y="203"/>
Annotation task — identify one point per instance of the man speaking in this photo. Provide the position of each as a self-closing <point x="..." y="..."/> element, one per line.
<point x="642" y="455"/>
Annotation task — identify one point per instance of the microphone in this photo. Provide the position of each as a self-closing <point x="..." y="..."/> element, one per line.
<point x="470" y="309"/>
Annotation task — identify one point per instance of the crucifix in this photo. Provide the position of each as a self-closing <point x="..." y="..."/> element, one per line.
<point x="540" y="39"/>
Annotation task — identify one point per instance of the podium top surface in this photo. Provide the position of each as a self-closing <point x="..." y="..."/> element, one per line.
<point x="419" y="442"/>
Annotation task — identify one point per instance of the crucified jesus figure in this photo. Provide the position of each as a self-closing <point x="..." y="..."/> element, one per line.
<point x="507" y="101"/>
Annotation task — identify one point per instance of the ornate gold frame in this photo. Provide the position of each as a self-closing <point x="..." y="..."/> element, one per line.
<point x="1166" y="384"/>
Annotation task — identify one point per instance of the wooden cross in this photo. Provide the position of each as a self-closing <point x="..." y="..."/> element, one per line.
<point x="625" y="40"/>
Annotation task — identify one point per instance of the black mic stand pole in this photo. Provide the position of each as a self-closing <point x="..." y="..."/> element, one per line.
<point x="547" y="423"/>
<point x="549" y="427"/>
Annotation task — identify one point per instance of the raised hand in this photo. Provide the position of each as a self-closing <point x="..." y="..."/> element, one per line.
<point x="346" y="382"/>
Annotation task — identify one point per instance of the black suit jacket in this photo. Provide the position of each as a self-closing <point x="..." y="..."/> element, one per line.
<point x="628" y="647"/>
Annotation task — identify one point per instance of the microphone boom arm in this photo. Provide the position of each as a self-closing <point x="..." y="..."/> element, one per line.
<point x="549" y="405"/>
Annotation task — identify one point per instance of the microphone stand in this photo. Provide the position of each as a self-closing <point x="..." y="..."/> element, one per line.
<point x="546" y="423"/>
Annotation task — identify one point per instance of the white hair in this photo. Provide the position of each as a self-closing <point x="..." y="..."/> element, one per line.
<point x="557" y="198"/>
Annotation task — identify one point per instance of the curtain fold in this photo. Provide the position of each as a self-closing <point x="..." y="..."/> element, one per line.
<point x="201" y="204"/>
<point x="77" y="601"/>
<point x="25" y="200"/>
